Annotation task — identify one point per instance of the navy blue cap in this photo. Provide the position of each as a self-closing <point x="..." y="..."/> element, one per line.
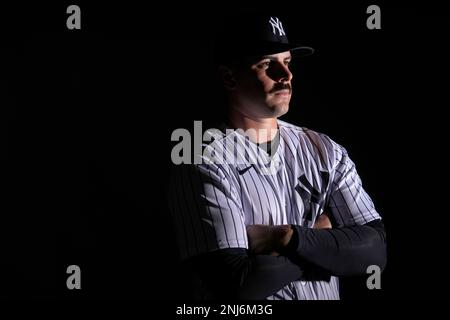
<point x="253" y="36"/>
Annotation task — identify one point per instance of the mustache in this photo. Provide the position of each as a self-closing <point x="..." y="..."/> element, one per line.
<point x="281" y="86"/>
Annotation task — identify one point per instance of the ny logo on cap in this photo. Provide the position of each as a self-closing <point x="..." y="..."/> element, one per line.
<point x="276" y="24"/>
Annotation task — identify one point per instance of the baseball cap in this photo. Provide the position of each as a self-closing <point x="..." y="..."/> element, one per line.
<point x="253" y="35"/>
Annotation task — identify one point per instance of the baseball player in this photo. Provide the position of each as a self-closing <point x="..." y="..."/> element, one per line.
<point x="273" y="211"/>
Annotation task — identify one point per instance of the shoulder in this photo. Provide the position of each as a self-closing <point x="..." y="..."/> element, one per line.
<point x="312" y="142"/>
<point x="297" y="134"/>
<point x="214" y="157"/>
<point x="218" y="143"/>
<point x="300" y="132"/>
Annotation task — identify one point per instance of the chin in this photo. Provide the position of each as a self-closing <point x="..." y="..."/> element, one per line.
<point x="280" y="109"/>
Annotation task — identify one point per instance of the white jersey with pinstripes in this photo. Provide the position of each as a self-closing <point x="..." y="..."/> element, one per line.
<point x="212" y="202"/>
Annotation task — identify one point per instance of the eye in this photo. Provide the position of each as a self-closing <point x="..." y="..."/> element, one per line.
<point x="287" y="63"/>
<point x="264" y="64"/>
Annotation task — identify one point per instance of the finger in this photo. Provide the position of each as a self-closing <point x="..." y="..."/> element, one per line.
<point x="323" y="222"/>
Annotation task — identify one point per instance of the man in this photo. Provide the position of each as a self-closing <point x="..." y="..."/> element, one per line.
<point x="273" y="211"/>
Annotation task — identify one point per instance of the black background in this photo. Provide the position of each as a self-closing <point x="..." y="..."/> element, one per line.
<point x="88" y="114"/>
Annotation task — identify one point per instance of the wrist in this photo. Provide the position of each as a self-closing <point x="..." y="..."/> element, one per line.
<point x="290" y="242"/>
<point x="282" y="235"/>
<point x="288" y="235"/>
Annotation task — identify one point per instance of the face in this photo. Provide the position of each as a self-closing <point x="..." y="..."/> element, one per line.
<point x="263" y="89"/>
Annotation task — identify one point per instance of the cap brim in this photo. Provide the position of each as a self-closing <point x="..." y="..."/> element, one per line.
<point x="256" y="50"/>
<point x="302" y="51"/>
<point x="273" y="48"/>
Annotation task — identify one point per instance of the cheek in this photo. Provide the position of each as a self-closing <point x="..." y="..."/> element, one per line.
<point x="266" y="83"/>
<point x="253" y="88"/>
<point x="257" y="86"/>
<point x="261" y="85"/>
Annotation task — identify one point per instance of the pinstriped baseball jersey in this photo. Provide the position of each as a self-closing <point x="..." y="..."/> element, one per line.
<point x="213" y="202"/>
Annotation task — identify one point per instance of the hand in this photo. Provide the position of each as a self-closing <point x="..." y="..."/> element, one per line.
<point x="264" y="239"/>
<point x="323" y="222"/>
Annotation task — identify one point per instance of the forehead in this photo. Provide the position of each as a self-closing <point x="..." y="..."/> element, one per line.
<point x="277" y="56"/>
<point x="282" y="56"/>
<point x="245" y="63"/>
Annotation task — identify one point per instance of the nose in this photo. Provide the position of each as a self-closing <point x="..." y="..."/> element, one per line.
<point x="282" y="73"/>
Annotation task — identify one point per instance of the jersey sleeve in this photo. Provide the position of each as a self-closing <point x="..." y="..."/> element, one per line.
<point x="206" y="210"/>
<point x="348" y="203"/>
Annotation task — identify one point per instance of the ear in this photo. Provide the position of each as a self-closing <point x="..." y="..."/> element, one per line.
<point x="227" y="77"/>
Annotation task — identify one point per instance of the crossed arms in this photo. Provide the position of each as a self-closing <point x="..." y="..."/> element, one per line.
<point x="278" y="255"/>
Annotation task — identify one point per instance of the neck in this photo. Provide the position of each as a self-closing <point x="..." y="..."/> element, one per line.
<point x="259" y="130"/>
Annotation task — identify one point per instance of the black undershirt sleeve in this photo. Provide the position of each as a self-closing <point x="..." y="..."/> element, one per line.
<point x="235" y="274"/>
<point x="312" y="254"/>
<point x="344" y="251"/>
